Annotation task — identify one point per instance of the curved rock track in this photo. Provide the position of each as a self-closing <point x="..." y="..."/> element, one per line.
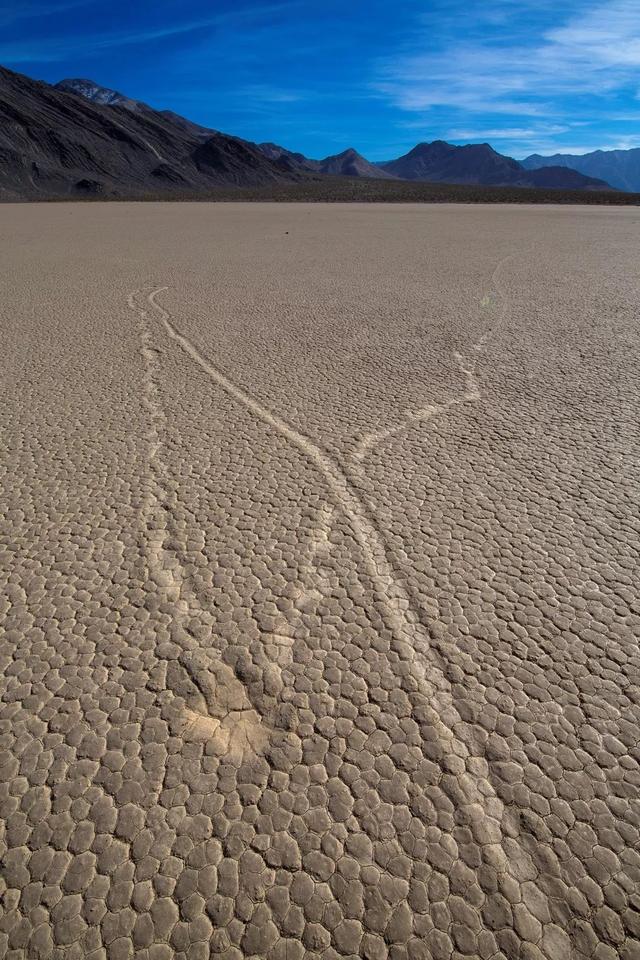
<point x="320" y="613"/>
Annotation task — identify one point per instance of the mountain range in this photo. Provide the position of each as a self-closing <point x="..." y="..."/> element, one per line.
<point x="620" y="168"/>
<point x="78" y="138"/>
<point x="441" y="162"/>
<point x="349" y="163"/>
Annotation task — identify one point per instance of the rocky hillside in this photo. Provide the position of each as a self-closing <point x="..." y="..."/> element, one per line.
<point x="59" y="143"/>
<point x="350" y="163"/>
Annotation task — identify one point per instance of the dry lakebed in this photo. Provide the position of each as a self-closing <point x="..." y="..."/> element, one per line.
<point x="320" y="552"/>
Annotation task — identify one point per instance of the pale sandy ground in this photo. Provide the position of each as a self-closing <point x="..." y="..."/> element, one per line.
<point x="321" y="553"/>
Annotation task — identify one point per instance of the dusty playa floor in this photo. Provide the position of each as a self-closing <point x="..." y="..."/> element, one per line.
<point x="321" y="552"/>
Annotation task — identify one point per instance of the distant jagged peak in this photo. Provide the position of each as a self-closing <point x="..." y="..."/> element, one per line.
<point x="96" y="93"/>
<point x="350" y="163"/>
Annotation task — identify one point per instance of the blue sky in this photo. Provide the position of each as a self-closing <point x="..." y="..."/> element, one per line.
<point x="534" y="76"/>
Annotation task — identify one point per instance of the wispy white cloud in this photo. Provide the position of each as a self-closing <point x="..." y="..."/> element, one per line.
<point x="13" y="12"/>
<point x="52" y="50"/>
<point x="603" y="36"/>
<point x="595" y="51"/>
<point x="623" y="143"/>
<point x="266" y="93"/>
<point x="548" y="148"/>
<point x="506" y="133"/>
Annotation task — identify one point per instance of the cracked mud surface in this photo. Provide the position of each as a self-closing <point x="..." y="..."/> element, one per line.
<point x="319" y="623"/>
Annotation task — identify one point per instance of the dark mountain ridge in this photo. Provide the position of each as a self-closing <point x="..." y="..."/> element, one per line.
<point x="57" y="143"/>
<point x="479" y="163"/>
<point x="112" y="98"/>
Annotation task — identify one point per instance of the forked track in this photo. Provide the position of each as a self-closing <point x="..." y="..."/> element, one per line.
<point x="377" y="566"/>
<point x="410" y="639"/>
